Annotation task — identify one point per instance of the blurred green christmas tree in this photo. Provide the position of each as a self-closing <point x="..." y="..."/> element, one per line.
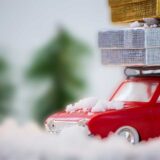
<point x="6" y="90"/>
<point x="62" y="62"/>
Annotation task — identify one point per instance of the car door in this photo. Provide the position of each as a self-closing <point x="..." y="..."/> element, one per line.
<point x="151" y="116"/>
<point x="155" y="107"/>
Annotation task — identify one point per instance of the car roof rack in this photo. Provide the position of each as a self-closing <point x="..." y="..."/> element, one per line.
<point x="142" y="71"/>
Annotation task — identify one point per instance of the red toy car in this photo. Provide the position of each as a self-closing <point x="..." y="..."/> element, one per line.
<point x="138" y="119"/>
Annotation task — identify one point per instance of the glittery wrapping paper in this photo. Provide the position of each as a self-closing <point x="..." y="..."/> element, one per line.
<point x="135" y="10"/>
<point x="131" y="57"/>
<point x="114" y="3"/>
<point x="130" y="38"/>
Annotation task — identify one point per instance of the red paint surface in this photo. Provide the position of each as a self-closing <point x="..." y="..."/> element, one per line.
<point x="143" y="116"/>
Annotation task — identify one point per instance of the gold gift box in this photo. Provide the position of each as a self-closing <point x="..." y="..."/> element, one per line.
<point x="114" y="3"/>
<point x="133" y="10"/>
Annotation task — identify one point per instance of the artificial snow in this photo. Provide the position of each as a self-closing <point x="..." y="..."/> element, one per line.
<point x="147" y="23"/>
<point x="85" y="104"/>
<point x="103" y="105"/>
<point x="136" y="24"/>
<point x="94" y="105"/>
<point x="31" y="143"/>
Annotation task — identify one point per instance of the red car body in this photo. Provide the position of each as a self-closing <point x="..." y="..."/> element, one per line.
<point x="143" y="116"/>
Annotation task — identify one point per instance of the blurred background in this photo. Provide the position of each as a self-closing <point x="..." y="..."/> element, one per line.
<point x="49" y="56"/>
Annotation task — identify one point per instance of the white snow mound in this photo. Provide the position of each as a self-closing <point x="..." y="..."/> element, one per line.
<point x="85" y="104"/>
<point x="102" y="106"/>
<point x="94" y="105"/>
<point x="29" y="143"/>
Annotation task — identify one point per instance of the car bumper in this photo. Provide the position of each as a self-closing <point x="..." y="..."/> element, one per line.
<point x="56" y="126"/>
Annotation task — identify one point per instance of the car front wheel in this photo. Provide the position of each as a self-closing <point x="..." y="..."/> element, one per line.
<point x="129" y="133"/>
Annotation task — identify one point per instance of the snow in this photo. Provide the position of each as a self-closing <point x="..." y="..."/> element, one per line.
<point x="147" y="23"/>
<point x="103" y="105"/>
<point x="85" y="104"/>
<point x="94" y="105"/>
<point x="29" y="142"/>
<point x="136" y="24"/>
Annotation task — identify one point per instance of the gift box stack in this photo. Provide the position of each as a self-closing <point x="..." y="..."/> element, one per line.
<point x="138" y="46"/>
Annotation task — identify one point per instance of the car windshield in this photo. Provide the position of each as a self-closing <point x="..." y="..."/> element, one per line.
<point x="135" y="92"/>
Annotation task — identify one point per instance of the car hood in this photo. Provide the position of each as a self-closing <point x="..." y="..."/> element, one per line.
<point x="78" y="115"/>
<point x="74" y="116"/>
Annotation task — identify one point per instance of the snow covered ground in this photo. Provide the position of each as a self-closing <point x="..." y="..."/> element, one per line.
<point x="31" y="143"/>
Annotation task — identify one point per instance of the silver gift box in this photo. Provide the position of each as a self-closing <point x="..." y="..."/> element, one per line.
<point x="131" y="57"/>
<point x="130" y="38"/>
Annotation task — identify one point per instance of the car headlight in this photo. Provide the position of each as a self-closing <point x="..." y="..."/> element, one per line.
<point x="83" y="122"/>
<point x="50" y="125"/>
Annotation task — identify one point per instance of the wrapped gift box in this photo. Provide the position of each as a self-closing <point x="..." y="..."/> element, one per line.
<point x="114" y="3"/>
<point x="131" y="57"/>
<point x="130" y="38"/>
<point x="133" y="10"/>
